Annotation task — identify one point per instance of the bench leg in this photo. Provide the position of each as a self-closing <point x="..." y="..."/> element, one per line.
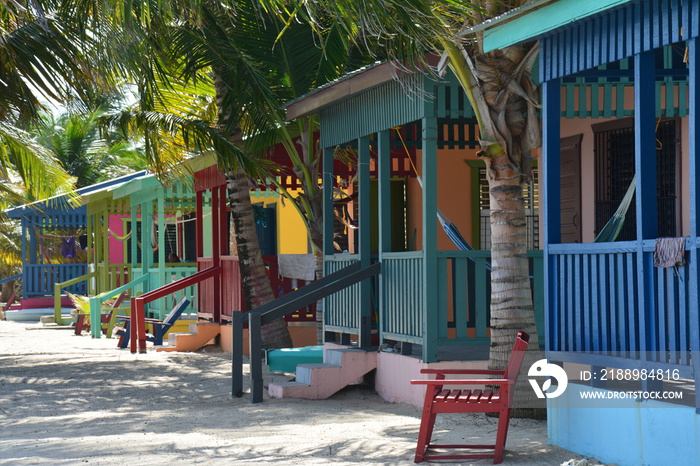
<point x="124" y="336"/>
<point x="427" y="422"/>
<point x="501" y="434"/>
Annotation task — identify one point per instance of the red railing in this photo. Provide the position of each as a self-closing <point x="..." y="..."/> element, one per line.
<point x="138" y="304"/>
<point x="232" y="298"/>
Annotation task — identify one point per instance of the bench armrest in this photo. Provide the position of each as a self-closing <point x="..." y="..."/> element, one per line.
<point x="148" y="319"/>
<point x="464" y="382"/>
<point x="463" y="371"/>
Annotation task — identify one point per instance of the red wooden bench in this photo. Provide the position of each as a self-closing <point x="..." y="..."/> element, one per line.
<point x="441" y="400"/>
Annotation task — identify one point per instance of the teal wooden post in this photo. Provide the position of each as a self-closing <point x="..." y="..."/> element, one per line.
<point x="430" y="268"/>
<point x="384" y="175"/>
<point x="161" y="249"/>
<point x="25" y="260"/>
<point x="328" y="184"/>
<point x="146" y="249"/>
<point x="550" y="188"/>
<point x="365" y="336"/>
<point x="133" y="259"/>
<point x="694" y="172"/>
<point x="328" y="220"/>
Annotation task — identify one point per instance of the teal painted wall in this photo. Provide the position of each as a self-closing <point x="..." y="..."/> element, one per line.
<point x="648" y="433"/>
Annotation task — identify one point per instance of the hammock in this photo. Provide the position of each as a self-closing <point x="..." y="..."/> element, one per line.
<point x="612" y="229"/>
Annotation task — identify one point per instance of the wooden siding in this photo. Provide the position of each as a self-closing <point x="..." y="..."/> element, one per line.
<point x="616" y="34"/>
<point x="232" y="297"/>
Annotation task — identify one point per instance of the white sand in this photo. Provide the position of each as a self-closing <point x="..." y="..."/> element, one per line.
<point x="67" y="399"/>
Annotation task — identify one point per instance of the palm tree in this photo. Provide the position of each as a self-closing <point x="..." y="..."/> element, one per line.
<point x="87" y="152"/>
<point x="254" y="70"/>
<point x="504" y="98"/>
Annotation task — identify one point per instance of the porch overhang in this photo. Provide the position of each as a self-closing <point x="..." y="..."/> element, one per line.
<point x="537" y="18"/>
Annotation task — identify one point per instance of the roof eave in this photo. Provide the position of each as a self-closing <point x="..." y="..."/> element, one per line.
<point x="325" y="95"/>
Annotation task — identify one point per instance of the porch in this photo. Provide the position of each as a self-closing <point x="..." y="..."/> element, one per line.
<point x="608" y="306"/>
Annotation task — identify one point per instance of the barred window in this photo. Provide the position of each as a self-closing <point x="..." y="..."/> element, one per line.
<point x="531" y="195"/>
<point x="614" y="169"/>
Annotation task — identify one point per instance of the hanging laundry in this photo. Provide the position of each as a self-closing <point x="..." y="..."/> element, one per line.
<point x="68" y="248"/>
<point x="669" y="252"/>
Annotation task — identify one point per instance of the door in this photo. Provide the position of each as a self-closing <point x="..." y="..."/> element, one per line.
<point x="571" y="189"/>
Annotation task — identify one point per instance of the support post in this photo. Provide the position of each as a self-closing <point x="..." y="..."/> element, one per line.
<point x="328" y="229"/>
<point x="430" y="267"/>
<point x="365" y="336"/>
<point x="255" y="354"/>
<point x="550" y="188"/>
<point x="694" y="172"/>
<point x="216" y="250"/>
<point x="645" y="197"/>
<point x="237" y="319"/>
<point x="162" y="306"/>
<point x="384" y="175"/>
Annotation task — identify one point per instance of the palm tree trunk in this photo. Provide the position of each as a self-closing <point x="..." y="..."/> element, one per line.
<point x="512" y="308"/>
<point x="510" y="131"/>
<point x="256" y="284"/>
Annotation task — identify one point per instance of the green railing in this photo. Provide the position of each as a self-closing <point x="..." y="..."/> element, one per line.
<point x="463" y="305"/>
<point x="341" y="311"/>
<point x="57" y="293"/>
<point x="96" y="303"/>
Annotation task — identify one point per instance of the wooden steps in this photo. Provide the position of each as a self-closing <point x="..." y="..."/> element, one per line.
<point x="341" y="367"/>
<point x="200" y="335"/>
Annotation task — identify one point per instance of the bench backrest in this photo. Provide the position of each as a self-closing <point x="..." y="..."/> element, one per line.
<point x="516" y="357"/>
<point x="176" y="312"/>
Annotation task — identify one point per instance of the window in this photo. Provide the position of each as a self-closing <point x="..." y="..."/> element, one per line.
<point x="531" y="195"/>
<point x="614" y="169"/>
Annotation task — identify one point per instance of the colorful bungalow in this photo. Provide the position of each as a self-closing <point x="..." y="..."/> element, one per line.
<point x="621" y="317"/>
<point x="55" y="245"/>
<point x="183" y="248"/>
<point x="415" y="139"/>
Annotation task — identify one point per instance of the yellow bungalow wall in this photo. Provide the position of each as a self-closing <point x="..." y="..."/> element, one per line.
<point x="292" y="236"/>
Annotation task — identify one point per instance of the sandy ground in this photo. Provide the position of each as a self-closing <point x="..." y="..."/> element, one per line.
<point x="67" y="399"/>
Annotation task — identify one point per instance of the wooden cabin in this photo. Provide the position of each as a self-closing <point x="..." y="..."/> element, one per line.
<point x="415" y="139"/>
<point x="55" y="244"/>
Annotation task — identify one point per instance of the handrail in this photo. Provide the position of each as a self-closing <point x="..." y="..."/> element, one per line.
<point x="277" y="309"/>
<point x="14" y="277"/>
<point x="57" y="294"/>
<point x="138" y="304"/>
<point x="96" y="303"/>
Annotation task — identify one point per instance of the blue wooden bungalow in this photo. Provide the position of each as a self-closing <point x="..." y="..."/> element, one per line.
<point x="609" y="310"/>
<point x="52" y="229"/>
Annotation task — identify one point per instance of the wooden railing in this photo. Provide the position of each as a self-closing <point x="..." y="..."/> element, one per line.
<point x="464" y="298"/>
<point x="138" y="304"/>
<point x="96" y="303"/>
<point x="613" y="308"/>
<point x="39" y="279"/>
<point x="277" y="309"/>
<point x="340" y="309"/>
<point x="57" y="287"/>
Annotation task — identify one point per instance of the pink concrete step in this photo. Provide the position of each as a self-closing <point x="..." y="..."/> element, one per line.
<point x="200" y="335"/>
<point x="342" y="367"/>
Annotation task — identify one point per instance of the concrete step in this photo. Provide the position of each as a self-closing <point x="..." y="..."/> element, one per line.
<point x="200" y="335"/>
<point x="342" y="367"/>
